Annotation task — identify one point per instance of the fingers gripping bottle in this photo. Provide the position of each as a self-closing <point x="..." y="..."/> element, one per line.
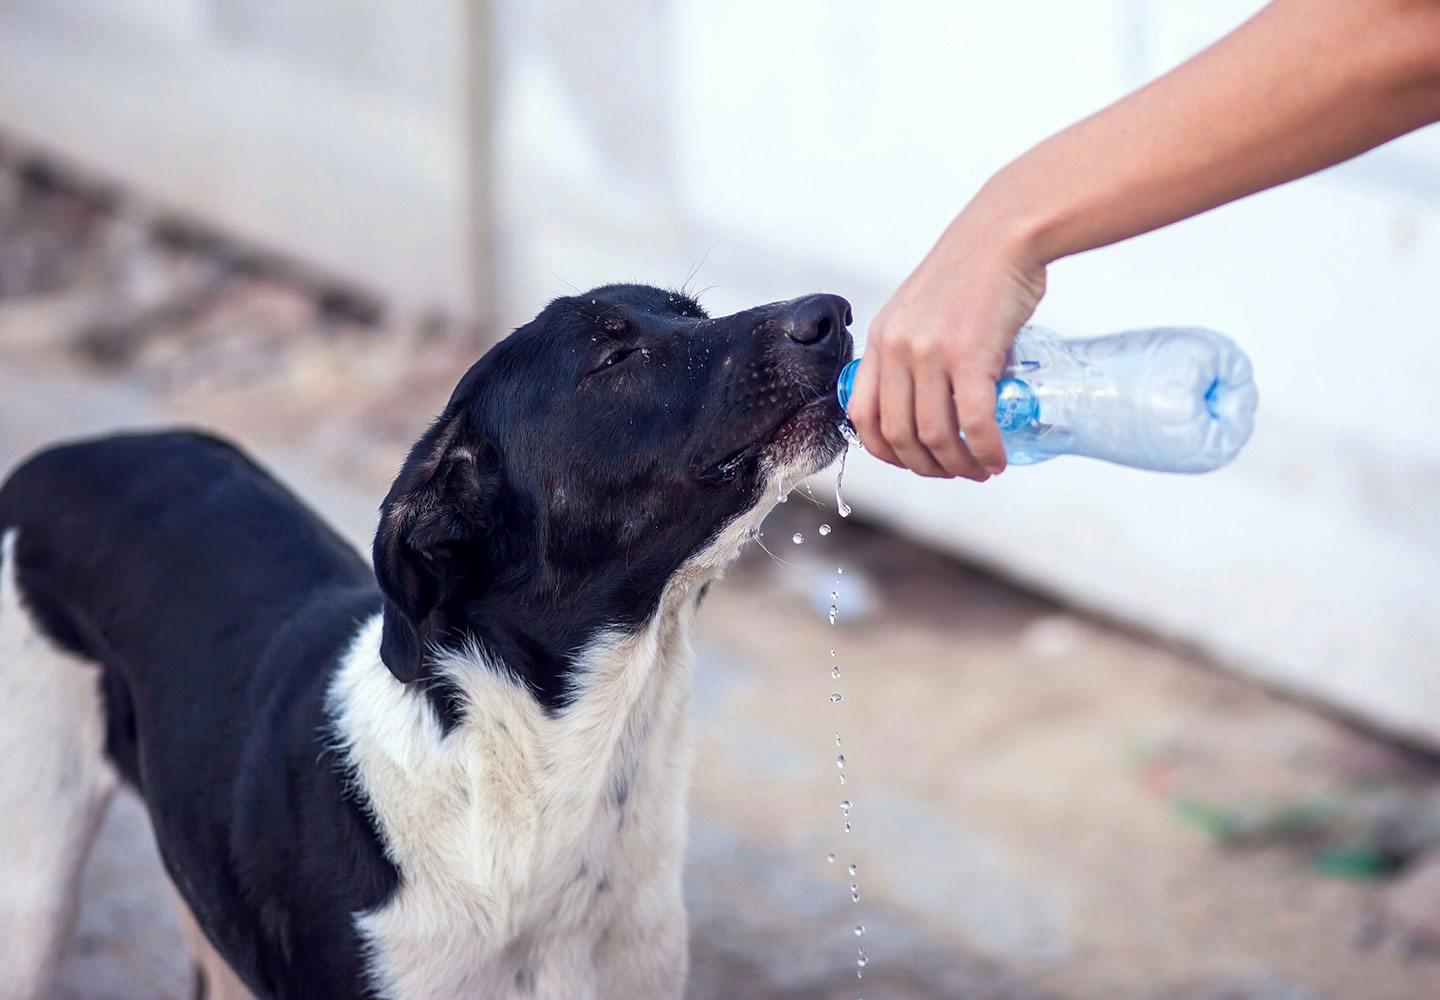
<point x="1169" y="399"/>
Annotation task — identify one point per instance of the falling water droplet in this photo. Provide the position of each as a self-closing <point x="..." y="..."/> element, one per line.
<point x="840" y="762"/>
<point x="834" y="595"/>
<point x="830" y="857"/>
<point x="837" y="698"/>
<point x="839" y="570"/>
<point x="859" y="930"/>
<point x="854" y="893"/>
<point x="845" y="806"/>
<point x="833" y="612"/>
<point x="842" y="778"/>
<point x="835" y="673"/>
<point x="840" y="504"/>
<point x="837" y="739"/>
<point x="797" y="538"/>
<point x="832" y="652"/>
<point x="847" y="826"/>
<point x="824" y="529"/>
<point x="853" y="870"/>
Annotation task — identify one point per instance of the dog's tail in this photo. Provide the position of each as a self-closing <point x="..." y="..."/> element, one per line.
<point x="55" y="782"/>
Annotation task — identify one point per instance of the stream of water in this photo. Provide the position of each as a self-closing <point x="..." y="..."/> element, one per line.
<point x="837" y="696"/>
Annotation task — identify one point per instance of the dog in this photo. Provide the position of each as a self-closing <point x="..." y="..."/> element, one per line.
<point x="459" y="773"/>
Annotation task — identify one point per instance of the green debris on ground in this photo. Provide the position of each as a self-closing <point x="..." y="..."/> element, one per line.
<point x="1361" y="834"/>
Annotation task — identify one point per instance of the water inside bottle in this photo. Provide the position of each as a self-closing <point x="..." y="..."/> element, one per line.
<point x="1167" y="399"/>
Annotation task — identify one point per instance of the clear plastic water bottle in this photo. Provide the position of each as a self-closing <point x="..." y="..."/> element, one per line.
<point x="1170" y="399"/>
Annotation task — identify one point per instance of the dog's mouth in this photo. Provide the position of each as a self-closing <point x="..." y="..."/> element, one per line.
<point x="809" y="433"/>
<point x="808" y="420"/>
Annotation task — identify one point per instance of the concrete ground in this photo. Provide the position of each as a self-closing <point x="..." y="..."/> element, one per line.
<point x="1042" y="805"/>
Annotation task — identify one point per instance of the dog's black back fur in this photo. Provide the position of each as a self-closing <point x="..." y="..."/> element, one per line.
<point x="252" y="580"/>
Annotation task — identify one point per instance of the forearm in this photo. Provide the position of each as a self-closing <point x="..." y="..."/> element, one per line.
<point x="1301" y="86"/>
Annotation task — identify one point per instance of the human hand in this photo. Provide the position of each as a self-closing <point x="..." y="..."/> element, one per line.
<point x="938" y="347"/>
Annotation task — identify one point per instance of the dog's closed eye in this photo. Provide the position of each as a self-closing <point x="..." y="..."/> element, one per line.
<point x="617" y="356"/>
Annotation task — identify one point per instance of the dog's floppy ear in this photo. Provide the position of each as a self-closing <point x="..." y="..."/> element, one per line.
<point x="442" y="501"/>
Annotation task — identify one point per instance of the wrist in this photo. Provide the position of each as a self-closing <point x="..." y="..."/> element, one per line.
<point x="1015" y="218"/>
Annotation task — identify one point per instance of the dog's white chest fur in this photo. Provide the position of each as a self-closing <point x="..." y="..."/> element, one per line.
<point x="540" y="856"/>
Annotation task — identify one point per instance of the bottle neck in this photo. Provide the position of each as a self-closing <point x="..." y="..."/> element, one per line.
<point x="1016" y="406"/>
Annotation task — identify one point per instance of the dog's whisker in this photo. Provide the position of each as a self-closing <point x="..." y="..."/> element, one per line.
<point x="766" y="549"/>
<point x="685" y="285"/>
<point x="810" y="495"/>
<point x="570" y="284"/>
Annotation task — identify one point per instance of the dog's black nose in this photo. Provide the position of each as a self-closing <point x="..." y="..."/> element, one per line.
<point x="814" y="318"/>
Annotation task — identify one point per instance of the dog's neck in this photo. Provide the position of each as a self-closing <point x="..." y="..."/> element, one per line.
<point x="508" y="760"/>
<point x="537" y="613"/>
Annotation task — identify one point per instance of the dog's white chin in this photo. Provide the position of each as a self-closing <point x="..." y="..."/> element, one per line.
<point x="786" y="472"/>
<point x="806" y="443"/>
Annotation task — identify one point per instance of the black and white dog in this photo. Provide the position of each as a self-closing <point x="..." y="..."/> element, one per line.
<point x="460" y="774"/>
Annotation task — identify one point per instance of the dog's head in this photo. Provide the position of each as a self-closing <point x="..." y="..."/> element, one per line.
<point x="587" y="458"/>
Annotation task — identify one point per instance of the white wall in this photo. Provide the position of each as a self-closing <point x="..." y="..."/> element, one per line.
<point x="782" y="148"/>
<point x="335" y="130"/>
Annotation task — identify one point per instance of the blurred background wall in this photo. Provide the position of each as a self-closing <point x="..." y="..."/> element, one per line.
<point x="337" y="131"/>
<point x="483" y="158"/>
